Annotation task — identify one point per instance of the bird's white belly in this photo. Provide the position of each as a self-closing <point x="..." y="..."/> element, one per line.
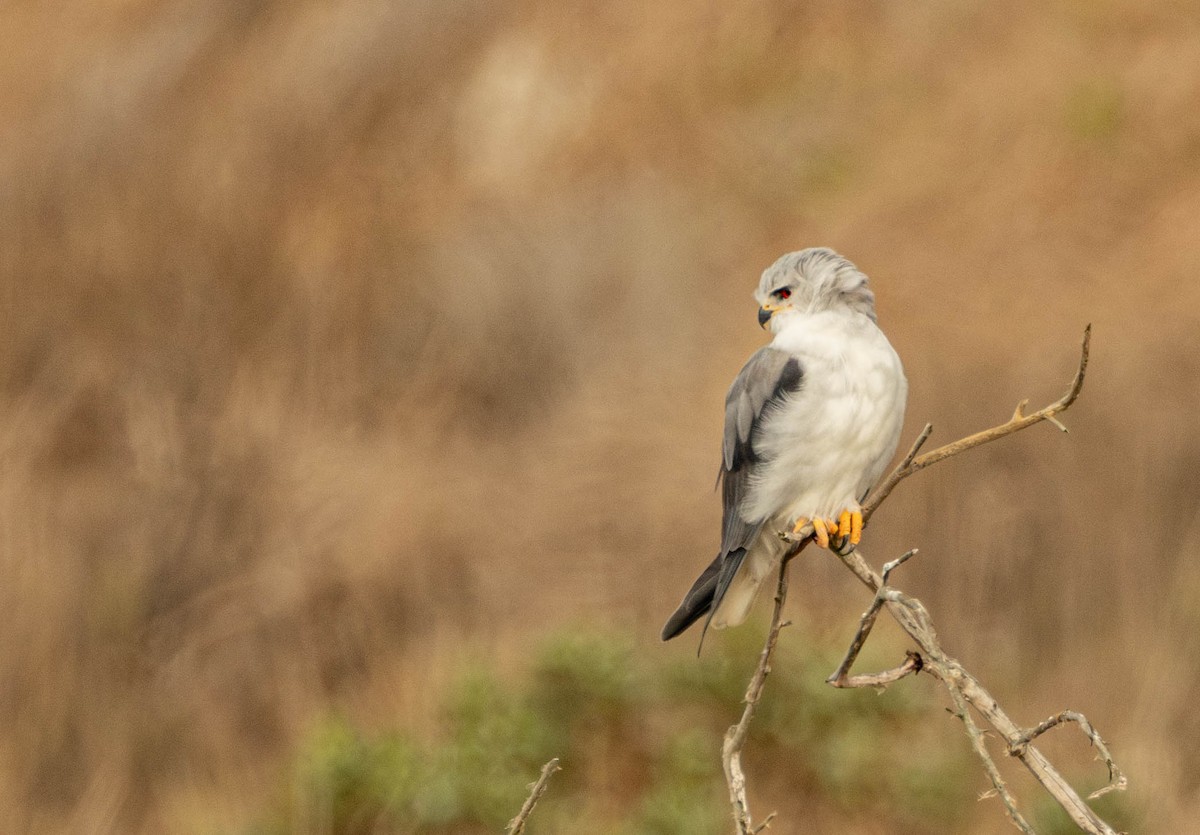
<point x="828" y="443"/>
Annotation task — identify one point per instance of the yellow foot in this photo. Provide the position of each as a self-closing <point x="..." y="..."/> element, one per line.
<point x="821" y="531"/>
<point x="846" y="529"/>
<point x="850" y="524"/>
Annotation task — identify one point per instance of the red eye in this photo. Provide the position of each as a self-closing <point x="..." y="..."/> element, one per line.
<point x="783" y="293"/>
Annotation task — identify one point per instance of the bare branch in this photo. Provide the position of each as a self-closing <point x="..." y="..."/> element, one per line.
<point x="735" y="737"/>
<point x="914" y="619"/>
<point x="766" y="824"/>
<point x="1016" y="423"/>
<point x="912" y="664"/>
<point x="1116" y="779"/>
<point x="865" y="624"/>
<point x="517" y="825"/>
<point x="989" y="765"/>
<point x="920" y="442"/>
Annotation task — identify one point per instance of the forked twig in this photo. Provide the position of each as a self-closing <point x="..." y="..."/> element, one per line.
<point x="1116" y="778"/>
<point x="912" y="664"/>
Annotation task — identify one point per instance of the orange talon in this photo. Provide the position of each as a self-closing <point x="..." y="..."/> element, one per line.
<point x="799" y="526"/>
<point x="821" y="532"/>
<point x="856" y="525"/>
<point x="844" y="525"/>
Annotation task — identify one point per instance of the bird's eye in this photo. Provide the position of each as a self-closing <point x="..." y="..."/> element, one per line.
<point x="782" y="293"/>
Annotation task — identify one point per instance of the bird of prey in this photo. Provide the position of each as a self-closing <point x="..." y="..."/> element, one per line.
<point x="811" y="421"/>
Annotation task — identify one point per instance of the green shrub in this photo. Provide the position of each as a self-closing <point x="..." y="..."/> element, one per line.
<point x="639" y="740"/>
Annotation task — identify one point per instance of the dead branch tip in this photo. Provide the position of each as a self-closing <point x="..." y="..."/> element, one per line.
<point x="517" y="825"/>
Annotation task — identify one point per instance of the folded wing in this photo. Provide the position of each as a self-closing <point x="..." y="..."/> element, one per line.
<point x="767" y="379"/>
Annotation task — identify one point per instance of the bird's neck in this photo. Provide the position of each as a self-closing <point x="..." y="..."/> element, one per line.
<point x="801" y="331"/>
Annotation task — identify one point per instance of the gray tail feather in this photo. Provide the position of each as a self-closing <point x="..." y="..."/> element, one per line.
<point x="705" y="595"/>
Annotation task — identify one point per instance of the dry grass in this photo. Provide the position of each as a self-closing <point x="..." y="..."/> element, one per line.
<point x="337" y="336"/>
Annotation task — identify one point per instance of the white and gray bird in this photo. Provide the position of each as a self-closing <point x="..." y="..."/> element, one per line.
<point x="811" y="421"/>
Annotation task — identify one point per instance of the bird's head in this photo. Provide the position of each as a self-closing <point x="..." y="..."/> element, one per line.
<point x="811" y="281"/>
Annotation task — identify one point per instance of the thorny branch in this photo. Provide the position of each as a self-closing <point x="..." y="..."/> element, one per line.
<point x="1116" y="779"/>
<point x="965" y="690"/>
<point x="517" y="825"/>
<point x="999" y="787"/>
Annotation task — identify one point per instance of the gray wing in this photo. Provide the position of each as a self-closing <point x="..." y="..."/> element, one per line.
<point x="766" y="379"/>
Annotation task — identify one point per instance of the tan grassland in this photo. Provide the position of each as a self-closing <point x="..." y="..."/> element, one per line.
<point x="344" y="341"/>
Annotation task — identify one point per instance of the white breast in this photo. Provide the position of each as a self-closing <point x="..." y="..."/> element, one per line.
<point x="828" y="443"/>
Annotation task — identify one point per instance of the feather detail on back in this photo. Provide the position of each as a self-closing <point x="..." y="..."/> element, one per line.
<point x="767" y="378"/>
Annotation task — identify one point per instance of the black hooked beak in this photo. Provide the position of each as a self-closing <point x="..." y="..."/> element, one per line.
<point x="764" y="316"/>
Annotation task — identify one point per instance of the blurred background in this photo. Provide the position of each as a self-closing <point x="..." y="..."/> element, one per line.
<point x="361" y="391"/>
